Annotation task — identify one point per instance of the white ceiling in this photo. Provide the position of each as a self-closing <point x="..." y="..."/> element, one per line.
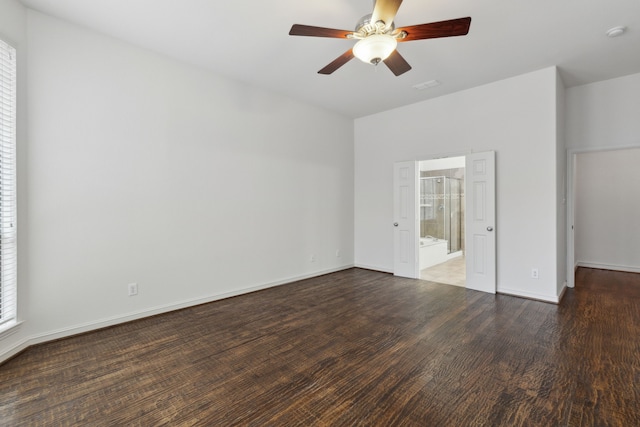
<point x="248" y="40"/>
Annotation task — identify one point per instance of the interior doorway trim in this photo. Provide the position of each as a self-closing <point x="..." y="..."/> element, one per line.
<point x="402" y="255"/>
<point x="572" y="155"/>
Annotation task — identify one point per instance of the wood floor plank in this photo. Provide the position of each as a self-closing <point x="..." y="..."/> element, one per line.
<point x="351" y="348"/>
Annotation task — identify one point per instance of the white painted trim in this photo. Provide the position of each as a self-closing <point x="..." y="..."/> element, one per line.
<point x="529" y="295"/>
<point x="563" y="291"/>
<point x="374" y="268"/>
<point x="115" y="320"/>
<point x="437" y="156"/>
<point x="571" y="158"/>
<point x="571" y="244"/>
<point x="16" y="349"/>
<point x="613" y="267"/>
<point x="9" y="329"/>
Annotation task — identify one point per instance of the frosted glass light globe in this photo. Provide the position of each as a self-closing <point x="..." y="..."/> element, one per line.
<point x="375" y="48"/>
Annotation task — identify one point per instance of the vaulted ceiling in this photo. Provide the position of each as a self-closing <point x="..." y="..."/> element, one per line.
<point x="247" y="40"/>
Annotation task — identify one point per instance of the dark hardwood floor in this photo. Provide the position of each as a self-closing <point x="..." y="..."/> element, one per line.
<point x="351" y="348"/>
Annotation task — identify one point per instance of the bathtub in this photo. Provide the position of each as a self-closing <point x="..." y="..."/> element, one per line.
<point x="432" y="251"/>
<point x="429" y="241"/>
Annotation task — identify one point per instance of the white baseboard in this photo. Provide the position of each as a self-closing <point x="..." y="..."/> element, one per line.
<point x="25" y="343"/>
<point x="14" y="350"/>
<point x="18" y="347"/>
<point x="530" y="295"/>
<point x="374" y="268"/>
<point x="562" y="291"/>
<point x="608" y="267"/>
<point x="10" y="328"/>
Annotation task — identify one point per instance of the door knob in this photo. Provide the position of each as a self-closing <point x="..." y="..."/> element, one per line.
<point x="489" y="228"/>
<point x="395" y="224"/>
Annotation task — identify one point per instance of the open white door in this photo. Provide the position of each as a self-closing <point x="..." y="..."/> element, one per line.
<point x="405" y="217"/>
<point x="480" y="241"/>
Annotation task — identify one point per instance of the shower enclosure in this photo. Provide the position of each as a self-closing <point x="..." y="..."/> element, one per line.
<point x="441" y="210"/>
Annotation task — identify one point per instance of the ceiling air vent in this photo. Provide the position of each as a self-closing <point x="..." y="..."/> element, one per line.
<point x="426" y="85"/>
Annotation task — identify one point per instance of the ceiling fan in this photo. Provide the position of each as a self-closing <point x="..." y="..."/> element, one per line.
<point x="377" y="36"/>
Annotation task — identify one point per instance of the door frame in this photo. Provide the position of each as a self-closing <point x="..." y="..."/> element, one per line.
<point x="464" y="154"/>
<point x="572" y="157"/>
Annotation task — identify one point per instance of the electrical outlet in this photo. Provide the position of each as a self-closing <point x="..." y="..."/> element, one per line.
<point x="337" y="253"/>
<point x="534" y="273"/>
<point x="312" y="258"/>
<point x="133" y="289"/>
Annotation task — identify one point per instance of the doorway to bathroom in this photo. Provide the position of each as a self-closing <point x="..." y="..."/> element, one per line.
<point x="442" y="221"/>
<point x="478" y="220"/>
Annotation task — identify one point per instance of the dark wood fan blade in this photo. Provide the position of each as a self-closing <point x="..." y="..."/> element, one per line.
<point x="453" y="27"/>
<point x="397" y="63"/>
<point x="308" y="30"/>
<point x="385" y="11"/>
<point x="338" y="62"/>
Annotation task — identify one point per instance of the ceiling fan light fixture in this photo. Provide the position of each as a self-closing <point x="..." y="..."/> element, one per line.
<point x="375" y="48"/>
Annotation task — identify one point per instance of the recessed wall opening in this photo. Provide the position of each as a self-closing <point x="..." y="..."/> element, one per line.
<point x="605" y="210"/>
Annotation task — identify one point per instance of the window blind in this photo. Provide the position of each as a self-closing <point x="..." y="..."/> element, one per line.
<point x="8" y="250"/>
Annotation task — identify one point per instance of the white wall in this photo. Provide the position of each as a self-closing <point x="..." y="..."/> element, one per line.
<point x="607" y="210"/>
<point x="516" y="118"/>
<point x="604" y="114"/>
<point x="13" y="29"/>
<point x="601" y="116"/>
<point x="146" y="170"/>
<point x="441" y="164"/>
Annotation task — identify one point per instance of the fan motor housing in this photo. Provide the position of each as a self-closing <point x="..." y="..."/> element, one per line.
<point x="365" y="27"/>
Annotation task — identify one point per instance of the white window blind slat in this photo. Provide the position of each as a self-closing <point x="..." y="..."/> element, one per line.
<point x="8" y="243"/>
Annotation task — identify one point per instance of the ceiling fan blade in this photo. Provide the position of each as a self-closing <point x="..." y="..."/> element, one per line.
<point x="308" y="30"/>
<point x="397" y="63"/>
<point x="453" y="27"/>
<point x="385" y="11"/>
<point x="338" y="62"/>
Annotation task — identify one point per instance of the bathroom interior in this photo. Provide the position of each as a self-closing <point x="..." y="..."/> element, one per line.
<point x="442" y="221"/>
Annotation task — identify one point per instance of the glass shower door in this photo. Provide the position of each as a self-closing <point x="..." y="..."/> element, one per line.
<point x="455" y="216"/>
